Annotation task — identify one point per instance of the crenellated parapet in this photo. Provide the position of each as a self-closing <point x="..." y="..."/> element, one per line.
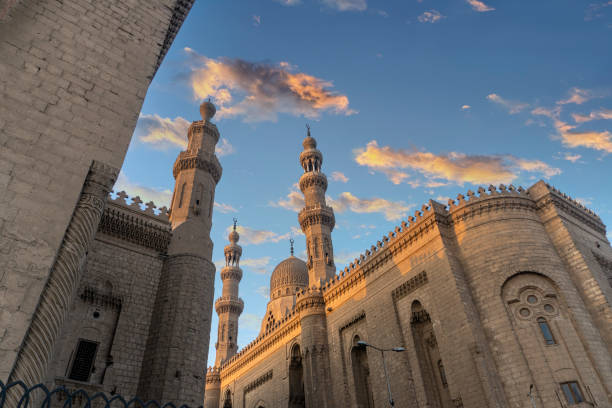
<point x="149" y="227"/>
<point x="273" y="336"/>
<point x="547" y="196"/>
<point x="484" y="201"/>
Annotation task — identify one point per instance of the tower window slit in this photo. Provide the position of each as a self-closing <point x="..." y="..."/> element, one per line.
<point x="546" y="332"/>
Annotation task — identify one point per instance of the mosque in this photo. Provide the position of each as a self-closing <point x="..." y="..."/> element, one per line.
<point x="499" y="298"/>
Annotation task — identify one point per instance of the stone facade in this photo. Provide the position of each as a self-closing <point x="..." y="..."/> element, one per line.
<point x="138" y="323"/>
<point x="499" y="299"/>
<point x="73" y="76"/>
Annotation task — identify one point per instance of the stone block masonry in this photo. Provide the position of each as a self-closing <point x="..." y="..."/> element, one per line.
<point x="73" y="76"/>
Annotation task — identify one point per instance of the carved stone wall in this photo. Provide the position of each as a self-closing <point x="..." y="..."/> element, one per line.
<point x="73" y="76"/>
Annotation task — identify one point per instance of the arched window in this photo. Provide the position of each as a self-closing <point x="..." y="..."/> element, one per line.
<point x="227" y="400"/>
<point x="432" y="369"/>
<point x="549" y="339"/>
<point x="361" y="375"/>
<point x="182" y="194"/>
<point x="296" y="379"/>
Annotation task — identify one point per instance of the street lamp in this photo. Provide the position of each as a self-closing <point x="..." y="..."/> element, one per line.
<point x="382" y="353"/>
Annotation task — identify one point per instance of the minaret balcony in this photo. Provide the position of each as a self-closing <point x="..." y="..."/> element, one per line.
<point x="231" y="272"/>
<point x="313" y="178"/>
<point x="229" y="304"/>
<point x="198" y="160"/>
<point x="315" y="215"/>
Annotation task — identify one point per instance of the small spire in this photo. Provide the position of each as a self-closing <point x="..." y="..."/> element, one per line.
<point x="307" y="129"/>
<point x="235" y="222"/>
<point x="291" y="241"/>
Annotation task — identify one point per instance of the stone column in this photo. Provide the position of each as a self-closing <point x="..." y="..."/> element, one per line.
<point x="37" y="346"/>
<point x="317" y="380"/>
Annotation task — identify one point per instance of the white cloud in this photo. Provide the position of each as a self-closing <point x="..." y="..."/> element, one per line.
<point x="224" y="208"/>
<point x="256" y="20"/>
<point x="160" y="196"/>
<point x="162" y="133"/>
<point x="257" y="265"/>
<point x="572" y="157"/>
<point x="339" y="176"/>
<point x="263" y="291"/>
<point x="289" y="2"/>
<point x="346" y="5"/>
<point x="479" y="6"/>
<point x="431" y="16"/>
<point x="165" y="133"/>
<point x="249" y="321"/>
<point x="512" y="106"/>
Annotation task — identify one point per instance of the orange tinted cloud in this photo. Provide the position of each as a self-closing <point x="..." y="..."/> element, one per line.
<point x="577" y="96"/>
<point x="452" y="167"/>
<point x="479" y="6"/>
<point x="392" y="210"/>
<point x="605" y="114"/>
<point x="259" y="92"/>
<point x="431" y="16"/>
<point x="589" y="138"/>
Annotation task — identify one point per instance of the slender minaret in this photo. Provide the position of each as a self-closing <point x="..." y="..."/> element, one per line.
<point x="316" y="218"/>
<point x="229" y="306"/>
<point x="174" y="366"/>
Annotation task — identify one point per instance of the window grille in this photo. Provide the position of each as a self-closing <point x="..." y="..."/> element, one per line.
<point x="83" y="362"/>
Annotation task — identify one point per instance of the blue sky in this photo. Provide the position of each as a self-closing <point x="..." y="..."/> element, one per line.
<point x="408" y="100"/>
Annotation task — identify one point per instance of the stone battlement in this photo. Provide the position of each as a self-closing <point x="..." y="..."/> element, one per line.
<point x="129" y="222"/>
<point x="424" y="218"/>
<point x="149" y="210"/>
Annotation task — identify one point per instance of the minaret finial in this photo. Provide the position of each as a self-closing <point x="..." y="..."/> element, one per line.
<point x="235" y="222"/>
<point x="308" y="129"/>
<point x="291" y="241"/>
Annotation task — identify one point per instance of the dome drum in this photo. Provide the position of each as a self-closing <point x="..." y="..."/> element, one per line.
<point x="292" y="273"/>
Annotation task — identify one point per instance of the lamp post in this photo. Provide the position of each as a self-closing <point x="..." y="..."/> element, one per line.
<point x="382" y="353"/>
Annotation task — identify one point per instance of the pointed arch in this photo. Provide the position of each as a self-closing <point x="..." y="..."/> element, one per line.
<point x="361" y="375"/>
<point x="296" y="379"/>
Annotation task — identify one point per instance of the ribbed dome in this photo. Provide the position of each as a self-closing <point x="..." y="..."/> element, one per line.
<point x="291" y="273"/>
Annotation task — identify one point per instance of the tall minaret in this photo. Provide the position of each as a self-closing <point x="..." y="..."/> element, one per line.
<point x="229" y="306"/>
<point x="316" y="218"/>
<point x="174" y="366"/>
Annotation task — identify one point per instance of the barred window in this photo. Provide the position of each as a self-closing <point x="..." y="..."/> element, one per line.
<point x="572" y="392"/>
<point x="83" y="361"/>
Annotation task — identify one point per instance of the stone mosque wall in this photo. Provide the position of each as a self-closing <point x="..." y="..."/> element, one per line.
<point x="493" y="296"/>
<point x="115" y="299"/>
<point x="73" y="76"/>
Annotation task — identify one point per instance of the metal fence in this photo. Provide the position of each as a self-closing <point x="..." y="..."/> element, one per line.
<point x="18" y="395"/>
